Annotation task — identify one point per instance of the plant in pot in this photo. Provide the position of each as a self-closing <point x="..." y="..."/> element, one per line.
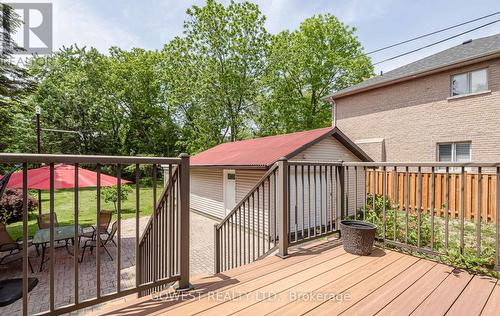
<point x="357" y="236"/>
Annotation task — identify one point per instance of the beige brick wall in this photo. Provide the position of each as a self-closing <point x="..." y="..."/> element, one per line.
<point x="414" y="116"/>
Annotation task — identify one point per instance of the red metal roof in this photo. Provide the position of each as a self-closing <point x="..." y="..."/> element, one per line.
<point x="262" y="151"/>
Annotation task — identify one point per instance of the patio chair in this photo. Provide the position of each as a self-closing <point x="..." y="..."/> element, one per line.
<point x="104" y="221"/>
<point x="43" y="220"/>
<point x="92" y="243"/>
<point x="7" y="244"/>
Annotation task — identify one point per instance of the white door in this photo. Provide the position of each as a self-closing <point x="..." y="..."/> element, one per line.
<point x="229" y="190"/>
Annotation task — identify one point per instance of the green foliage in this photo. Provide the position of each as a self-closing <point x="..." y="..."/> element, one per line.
<point x="467" y="258"/>
<point x="304" y="66"/>
<point x="213" y="72"/>
<point x="14" y="81"/>
<point x="226" y="78"/>
<point x="114" y="102"/>
<point x="399" y="225"/>
<point x="110" y="194"/>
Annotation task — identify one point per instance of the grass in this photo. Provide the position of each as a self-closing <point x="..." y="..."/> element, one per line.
<point x="64" y="208"/>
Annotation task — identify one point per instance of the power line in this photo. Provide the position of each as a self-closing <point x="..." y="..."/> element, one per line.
<point x="431" y="33"/>
<point x="438" y="42"/>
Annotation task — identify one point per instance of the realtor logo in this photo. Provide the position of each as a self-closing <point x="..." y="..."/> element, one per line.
<point x="35" y="33"/>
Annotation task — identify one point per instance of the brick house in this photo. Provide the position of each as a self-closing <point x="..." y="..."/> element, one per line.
<point x="445" y="107"/>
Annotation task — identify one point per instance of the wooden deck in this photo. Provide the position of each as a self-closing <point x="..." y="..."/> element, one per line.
<point x="322" y="279"/>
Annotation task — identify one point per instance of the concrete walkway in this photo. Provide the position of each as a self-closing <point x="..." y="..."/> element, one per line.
<point x="201" y="263"/>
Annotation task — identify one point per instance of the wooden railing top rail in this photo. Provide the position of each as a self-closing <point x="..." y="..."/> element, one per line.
<point x="248" y="195"/>
<point x="418" y="164"/>
<point x="91" y="159"/>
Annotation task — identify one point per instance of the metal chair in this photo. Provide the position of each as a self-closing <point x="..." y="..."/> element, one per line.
<point x="7" y="244"/>
<point x="104" y="221"/>
<point x="92" y="243"/>
<point x="43" y="220"/>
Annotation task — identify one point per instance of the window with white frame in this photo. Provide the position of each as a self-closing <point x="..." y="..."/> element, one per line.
<point x="469" y="82"/>
<point x="454" y="152"/>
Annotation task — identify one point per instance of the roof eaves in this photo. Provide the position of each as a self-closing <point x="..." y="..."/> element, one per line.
<point x="309" y="144"/>
<point x="464" y="62"/>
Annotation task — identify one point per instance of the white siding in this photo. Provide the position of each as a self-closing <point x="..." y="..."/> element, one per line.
<point x="207" y="183"/>
<point x="207" y="191"/>
<point x="331" y="150"/>
<point x="245" y="181"/>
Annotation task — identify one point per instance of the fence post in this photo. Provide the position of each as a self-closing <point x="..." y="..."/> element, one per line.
<point x="216" y="250"/>
<point x="283" y="207"/>
<point x="184" y="284"/>
<point x="341" y="205"/>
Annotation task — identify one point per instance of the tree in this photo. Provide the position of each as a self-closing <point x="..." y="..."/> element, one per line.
<point x="148" y="126"/>
<point x="14" y="80"/>
<point x="114" y="103"/>
<point x="110" y="194"/>
<point x="304" y="66"/>
<point x="75" y="94"/>
<point x="213" y="73"/>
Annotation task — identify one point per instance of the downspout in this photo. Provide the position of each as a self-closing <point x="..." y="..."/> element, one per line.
<point x="334" y="112"/>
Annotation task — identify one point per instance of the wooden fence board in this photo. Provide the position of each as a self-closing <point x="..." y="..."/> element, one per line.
<point x="488" y="192"/>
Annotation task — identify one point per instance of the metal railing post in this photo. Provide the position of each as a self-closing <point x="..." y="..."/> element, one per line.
<point x="216" y="250"/>
<point x="184" y="192"/>
<point x="283" y="207"/>
<point x="341" y="205"/>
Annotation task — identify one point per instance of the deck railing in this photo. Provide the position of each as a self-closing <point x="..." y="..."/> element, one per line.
<point x="310" y="198"/>
<point x="162" y="253"/>
<point x="249" y="231"/>
<point x="411" y="203"/>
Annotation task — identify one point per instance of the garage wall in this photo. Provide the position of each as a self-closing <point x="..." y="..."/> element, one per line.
<point x="331" y="150"/>
<point x="207" y="192"/>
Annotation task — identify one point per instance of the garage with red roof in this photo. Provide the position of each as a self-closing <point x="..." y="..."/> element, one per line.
<point x="222" y="175"/>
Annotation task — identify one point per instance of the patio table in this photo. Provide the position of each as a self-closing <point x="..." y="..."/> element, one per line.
<point x="42" y="237"/>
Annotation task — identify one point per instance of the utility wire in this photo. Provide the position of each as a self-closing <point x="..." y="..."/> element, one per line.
<point x="438" y="42"/>
<point x="431" y="33"/>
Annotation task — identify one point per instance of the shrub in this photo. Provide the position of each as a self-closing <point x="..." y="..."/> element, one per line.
<point x="110" y="194"/>
<point x="376" y="216"/>
<point x="465" y="259"/>
<point x="11" y="205"/>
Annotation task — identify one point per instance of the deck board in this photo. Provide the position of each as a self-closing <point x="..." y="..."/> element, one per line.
<point x="493" y="304"/>
<point x="374" y="302"/>
<point x="385" y="283"/>
<point x="364" y="288"/>
<point x="258" y="307"/>
<point x="407" y="301"/>
<point x="473" y="298"/>
<point x="444" y="295"/>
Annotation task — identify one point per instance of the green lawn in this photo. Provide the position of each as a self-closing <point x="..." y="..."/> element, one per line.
<point x="64" y="207"/>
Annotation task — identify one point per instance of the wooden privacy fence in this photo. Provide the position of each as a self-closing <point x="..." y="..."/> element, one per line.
<point x="486" y="191"/>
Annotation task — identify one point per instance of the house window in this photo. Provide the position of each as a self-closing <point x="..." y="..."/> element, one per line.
<point x="454" y="152"/>
<point x="231" y="176"/>
<point x="469" y="82"/>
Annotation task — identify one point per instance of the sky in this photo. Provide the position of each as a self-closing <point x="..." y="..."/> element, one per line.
<point x="150" y="24"/>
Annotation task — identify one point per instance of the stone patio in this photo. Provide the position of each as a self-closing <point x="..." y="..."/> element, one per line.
<point x="201" y="263"/>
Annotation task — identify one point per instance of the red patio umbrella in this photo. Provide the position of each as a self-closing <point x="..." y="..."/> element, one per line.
<point x="64" y="178"/>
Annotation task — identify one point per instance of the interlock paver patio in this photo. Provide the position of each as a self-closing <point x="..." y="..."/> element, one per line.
<point x="201" y="263"/>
